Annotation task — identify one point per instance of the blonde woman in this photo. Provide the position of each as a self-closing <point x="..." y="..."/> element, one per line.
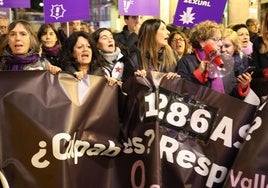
<point x="231" y="45"/>
<point x="179" y="43"/>
<point x="194" y="66"/>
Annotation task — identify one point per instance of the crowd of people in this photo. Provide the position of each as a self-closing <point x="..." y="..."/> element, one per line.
<point x="151" y="45"/>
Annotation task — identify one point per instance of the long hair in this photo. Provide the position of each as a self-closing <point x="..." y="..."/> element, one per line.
<point x="68" y="49"/>
<point x="264" y="34"/>
<point x="43" y="30"/>
<point x="96" y="34"/>
<point x="34" y="44"/>
<point x="186" y="40"/>
<point x="232" y="35"/>
<point x="147" y="44"/>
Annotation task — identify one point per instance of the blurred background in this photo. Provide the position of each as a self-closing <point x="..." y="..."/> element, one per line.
<point x="104" y="13"/>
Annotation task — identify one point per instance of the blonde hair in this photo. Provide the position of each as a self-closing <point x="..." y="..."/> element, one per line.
<point x="232" y="35"/>
<point x="203" y="31"/>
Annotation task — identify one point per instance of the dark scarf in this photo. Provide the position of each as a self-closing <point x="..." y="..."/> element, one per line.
<point x="51" y="51"/>
<point x="16" y="63"/>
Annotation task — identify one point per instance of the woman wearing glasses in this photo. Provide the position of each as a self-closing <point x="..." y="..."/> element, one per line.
<point x="206" y="38"/>
<point x="179" y="43"/>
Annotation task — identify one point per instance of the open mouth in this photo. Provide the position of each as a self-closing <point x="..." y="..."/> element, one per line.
<point x="18" y="45"/>
<point x="84" y="55"/>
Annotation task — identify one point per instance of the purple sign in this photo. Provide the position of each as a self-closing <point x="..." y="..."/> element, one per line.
<point x="15" y="4"/>
<point x="191" y="12"/>
<point x="138" y="7"/>
<point x="64" y="11"/>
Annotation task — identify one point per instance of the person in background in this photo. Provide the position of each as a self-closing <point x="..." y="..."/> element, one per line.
<point x="260" y="50"/>
<point x="253" y="28"/>
<point x="22" y="48"/>
<point x="152" y="52"/>
<point x="194" y="66"/>
<point x="91" y="28"/>
<point x="115" y="58"/>
<point x="84" y="27"/>
<point x="50" y="43"/>
<point x="128" y="36"/>
<point x="172" y="28"/>
<point x="74" y="26"/>
<point x="243" y="35"/>
<point x="4" y="22"/>
<point x="80" y="56"/>
<point x="179" y="43"/>
<point x="231" y="45"/>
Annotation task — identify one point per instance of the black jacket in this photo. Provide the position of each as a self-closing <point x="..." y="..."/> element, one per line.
<point x="124" y="38"/>
<point x="189" y="63"/>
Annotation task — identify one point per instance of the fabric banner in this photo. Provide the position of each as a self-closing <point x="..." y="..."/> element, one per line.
<point x="191" y="12"/>
<point x="64" y="11"/>
<point x="251" y="166"/>
<point x="15" y="4"/>
<point x="138" y="7"/>
<point x="57" y="131"/>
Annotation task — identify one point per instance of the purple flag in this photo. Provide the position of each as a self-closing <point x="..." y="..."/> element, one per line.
<point x="138" y="7"/>
<point x="15" y="4"/>
<point x="64" y="11"/>
<point x="191" y="12"/>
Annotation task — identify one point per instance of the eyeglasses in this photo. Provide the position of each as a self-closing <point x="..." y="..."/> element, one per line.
<point x="251" y="25"/>
<point x="216" y="39"/>
<point x="177" y="40"/>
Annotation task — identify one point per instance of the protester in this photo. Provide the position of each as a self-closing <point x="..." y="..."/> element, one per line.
<point x="243" y="35"/>
<point x="115" y="58"/>
<point x="84" y="27"/>
<point x="179" y="43"/>
<point x="80" y="56"/>
<point x="260" y="50"/>
<point x="253" y="28"/>
<point x="194" y="66"/>
<point x="231" y="45"/>
<point x="4" y="22"/>
<point x="128" y="36"/>
<point x="22" y="48"/>
<point x="91" y="28"/>
<point x="50" y="43"/>
<point x="153" y="52"/>
<point x="64" y="32"/>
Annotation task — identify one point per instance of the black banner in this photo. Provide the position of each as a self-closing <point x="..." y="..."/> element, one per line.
<point x="57" y="131"/>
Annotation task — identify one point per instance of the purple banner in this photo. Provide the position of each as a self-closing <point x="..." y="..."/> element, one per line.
<point x="138" y="7"/>
<point x="15" y="4"/>
<point x="190" y="12"/>
<point x="64" y="11"/>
